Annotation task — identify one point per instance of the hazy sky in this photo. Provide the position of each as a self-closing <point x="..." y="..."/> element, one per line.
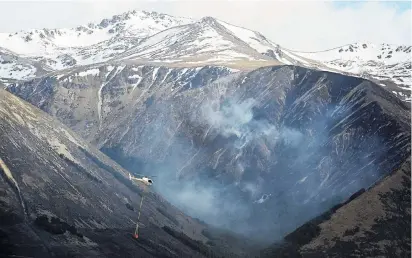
<point x="299" y="25"/>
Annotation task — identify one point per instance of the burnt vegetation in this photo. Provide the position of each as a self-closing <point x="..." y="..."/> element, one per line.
<point x="80" y="169"/>
<point x="55" y="226"/>
<point x="168" y="216"/>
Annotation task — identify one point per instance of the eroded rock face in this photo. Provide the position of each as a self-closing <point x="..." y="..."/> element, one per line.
<point x="259" y="152"/>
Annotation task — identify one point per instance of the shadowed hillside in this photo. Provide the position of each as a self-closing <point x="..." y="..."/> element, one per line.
<point x="375" y="223"/>
<point x="60" y="197"/>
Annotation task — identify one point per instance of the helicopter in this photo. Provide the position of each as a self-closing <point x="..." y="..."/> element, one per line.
<point x="146" y="182"/>
<point x="144" y="179"/>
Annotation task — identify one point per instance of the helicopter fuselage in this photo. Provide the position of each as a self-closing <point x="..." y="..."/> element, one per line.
<point x="144" y="180"/>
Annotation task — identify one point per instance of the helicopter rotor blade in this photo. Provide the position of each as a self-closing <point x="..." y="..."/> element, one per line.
<point x="134" y="174"/>
<point x="144" y="175"/>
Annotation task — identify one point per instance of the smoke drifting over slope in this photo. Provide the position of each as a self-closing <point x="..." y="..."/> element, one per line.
<point x="235" y="117"/>
<point x="259" y="152"/>
<point x="268" y="172"/>
<point x="218" y="200"/>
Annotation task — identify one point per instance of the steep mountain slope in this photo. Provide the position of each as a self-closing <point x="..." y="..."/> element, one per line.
<point x="92" y="98"/>
<point x="60" y="197"/>
<point x="375" y="223"/>
<point x="244" y="145"/>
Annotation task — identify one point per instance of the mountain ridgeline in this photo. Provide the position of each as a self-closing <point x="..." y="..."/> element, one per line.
<point x="140" y="37"/>
<point x="258" y="152"/>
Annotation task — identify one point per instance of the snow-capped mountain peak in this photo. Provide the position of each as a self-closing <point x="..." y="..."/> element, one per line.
<point x="254" y="39"/>
<point x="139" y="24"/>
<point x="56" y="49"/>
<point x="363" y="51"/>
<point x="384" y="62"/>
<point x="155" y="38"/>
<point x="208" y="20"/>
<point x="206" y="41"/>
